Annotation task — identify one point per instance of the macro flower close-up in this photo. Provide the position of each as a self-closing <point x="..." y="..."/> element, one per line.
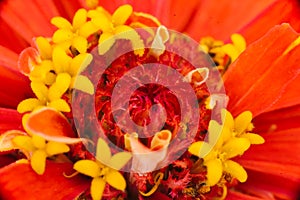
<point x="158" y="99"/>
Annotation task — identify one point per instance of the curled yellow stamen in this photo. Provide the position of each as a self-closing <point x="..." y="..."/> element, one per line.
<point x="157" y="179"/>
<point x="71" y="175"/>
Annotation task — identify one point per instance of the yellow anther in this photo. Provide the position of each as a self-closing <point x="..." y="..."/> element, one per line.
<point x="157" y="179"/>
<point x="226" y="141"/>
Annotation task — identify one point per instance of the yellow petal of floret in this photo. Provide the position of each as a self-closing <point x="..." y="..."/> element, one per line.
<point x="97" y="188"/>
<point x="200" y="149"/>
<point x="60" y="104"/>
<point x="54" y="148"/>
<point x="38" y="141"/>
<point x="128" y="33"/>
<point x="44" y="47"/>
<point x="38" y="161"/>
<point x="121" y="15"/>
<point x="254" y="138"/>
<point x="61" y="60"/>
<point x="227" y="119"/>
<point x="120" y="159"/>
<point x="79" y="63"/>
<point x="215" y="137"/>
<point x="87" y="167"/>
<point x="116" y="180"/>
<point x="103" y="153"/>
<point x="242" y="122"/>
<point x="87" y="29"/>
<point x="214" y="171"/>
<point x="106" y="41"/>
<point x="239" y="42"/>
<point x="40" y="90"/>
<point x="79" y="18"/>
<point x="28" y="105"/>
<point x="84" y="84"/>
<point x="235" y="147"/>
<point x="62" y="35"/>
<point x="61" y="85"/>
<point x="102" y="22"/>
<point x="236" y="170"/>
<point x="80" y="43"/>
<point x="61" y="23"/>
<point x="24" y="142"/>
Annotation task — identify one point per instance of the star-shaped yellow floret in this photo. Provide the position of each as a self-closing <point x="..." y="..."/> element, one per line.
<point x="38" y="149"/>
<point x="104" y="169"/>
<point x="75" y="34"/>
<point x="113" y="28"/>
<point x="226" y="141"/>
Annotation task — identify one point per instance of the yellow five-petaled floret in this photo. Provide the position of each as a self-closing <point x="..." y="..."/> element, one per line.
<point x="226" y="141"/>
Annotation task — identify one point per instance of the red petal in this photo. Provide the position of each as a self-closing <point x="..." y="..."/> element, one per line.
<point x="14" y="86"/>
<point x="19" y="181"/>
<point x="50" y="124"/>
<point x="248" y="79"/>
<point x="234" y="195"/>
<point x="66" y="8"/>
<point x="270" y="186"/>
<point x="283" y="119"/>
<point x="279" y="155"/>
<point x="25" y="18"/>
<point x="279" y="12"/>
<point x="10" y="120"/>
<point x="10" y="39"/>
<point x="222" y="18"/>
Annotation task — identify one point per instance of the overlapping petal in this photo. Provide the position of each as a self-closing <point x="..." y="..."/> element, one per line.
<point x="19" y="181"/>
<point x="258" y="67"/>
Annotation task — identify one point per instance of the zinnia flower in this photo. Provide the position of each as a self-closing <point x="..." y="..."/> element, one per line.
<point x="252" y="159"/>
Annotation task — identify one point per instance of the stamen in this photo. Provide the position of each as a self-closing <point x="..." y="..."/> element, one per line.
<point x="157" y="179"/>
<point x="71" y="175"/>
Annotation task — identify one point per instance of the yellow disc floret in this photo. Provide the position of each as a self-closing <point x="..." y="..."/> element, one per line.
<point x="38" y="149"/>
<point x="225" y="141"/>
<point x="104" y="169"/>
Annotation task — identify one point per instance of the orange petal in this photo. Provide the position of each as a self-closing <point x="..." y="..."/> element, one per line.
<point x="280" y="11"/>
<point x="260" y="76"/>
<point x="19" y="181"/>
<point x="215" y="18"/>
<point x="28" y="58"/>
<point x="51" y="125"/>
